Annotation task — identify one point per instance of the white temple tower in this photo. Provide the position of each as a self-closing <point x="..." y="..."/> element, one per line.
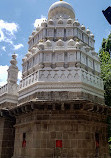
<point x="61" y="58"/>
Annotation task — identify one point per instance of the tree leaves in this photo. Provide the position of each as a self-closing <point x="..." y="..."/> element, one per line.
<point x="105" y="60"/>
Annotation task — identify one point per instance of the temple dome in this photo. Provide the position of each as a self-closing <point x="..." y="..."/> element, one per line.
<point x="61" y="8"/>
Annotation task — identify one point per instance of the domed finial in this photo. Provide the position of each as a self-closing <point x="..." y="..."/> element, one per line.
<point x="13" y="60"/>
<point x="61" y="8"/>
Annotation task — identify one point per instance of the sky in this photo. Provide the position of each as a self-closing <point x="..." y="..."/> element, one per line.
<point x="18" y="18"/>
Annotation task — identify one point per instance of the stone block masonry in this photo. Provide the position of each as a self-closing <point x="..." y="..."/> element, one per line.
<point x="7" y="135"/>
<point x="69" y="123"/>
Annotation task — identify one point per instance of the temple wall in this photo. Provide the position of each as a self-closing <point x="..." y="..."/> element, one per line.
<point x="1" y="134"/>
<point x="6" y="137"/>
<point x="76" y="129"/>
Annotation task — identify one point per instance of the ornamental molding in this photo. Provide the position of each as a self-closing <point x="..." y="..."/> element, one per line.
<point x="76" y="110"/>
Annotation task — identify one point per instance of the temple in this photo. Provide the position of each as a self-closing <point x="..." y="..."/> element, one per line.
<point x="58" y="109"/>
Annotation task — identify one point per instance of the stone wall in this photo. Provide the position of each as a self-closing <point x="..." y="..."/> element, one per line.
<point x="75" y="127"/>
<point x="6" y="137"/>
<point x="1" y="134"/>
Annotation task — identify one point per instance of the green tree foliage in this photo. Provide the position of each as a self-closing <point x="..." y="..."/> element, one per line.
<point x="105" y="60"/>
<point x="108" y="44"/>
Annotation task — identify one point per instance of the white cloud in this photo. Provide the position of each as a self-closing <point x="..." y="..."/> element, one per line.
<point x="19" y="75"/>
<point x="7" y="31"/>
<point x="10" y="27"/>
<point x="2" y="38"/>
<point x="4" y="48"/>
<point x="7" y="34"/>
<point x="39" y="21"/>
<point x="18" y="46"/>
<point x="3" y="74"/>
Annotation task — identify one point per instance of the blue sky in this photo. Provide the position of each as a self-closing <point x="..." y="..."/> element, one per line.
<point x="17" y="19"/>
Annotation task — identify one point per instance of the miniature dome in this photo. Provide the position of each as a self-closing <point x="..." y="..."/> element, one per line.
<point x="71" y="42"/>
<point x="41" y="45"/>
<point x="48" y="43"/>
<point x="88" y="31"/>
<point x="92" y="35"/>
<point x="33" y="49"/>
<point x="76" y="23"/>
<point x="82" y="27"/>
<point x="50" y="22"/>
<point x="61" y="8"/>
<point x="60" y="43"/>
<point x="69" y="21"/>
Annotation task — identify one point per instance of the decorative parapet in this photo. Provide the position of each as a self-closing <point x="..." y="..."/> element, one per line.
<point x="71" y="76"/>
<point x="9" y="89"/>
<point x="8" y="94"/>
<point x="4" y="89"/>
<point x="29" y="80"/>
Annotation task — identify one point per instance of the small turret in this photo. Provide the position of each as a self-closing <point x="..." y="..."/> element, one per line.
<point x="13" y="70"/>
